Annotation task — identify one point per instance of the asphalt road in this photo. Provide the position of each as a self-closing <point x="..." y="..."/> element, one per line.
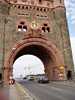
<point x="50" y="91"/>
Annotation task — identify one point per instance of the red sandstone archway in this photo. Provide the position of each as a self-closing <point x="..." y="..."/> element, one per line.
<point x="44" y="49"/>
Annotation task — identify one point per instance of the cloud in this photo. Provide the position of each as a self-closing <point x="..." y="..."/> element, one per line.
<point x="73" y="48"/>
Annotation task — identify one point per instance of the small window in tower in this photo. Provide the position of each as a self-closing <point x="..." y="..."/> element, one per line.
<point x="22" y="7"/>
<point x="22" y="23"/>
<point x="24" y="28"/>
<point x="48" y="29"/>
<point x="26" y="7"/>
<point x="40" y="9"/>
<point x="43" y="29"/>
<point x="44" y="10"/>
<point x="45" y="24"/>
<point x="19" y="28"/>
<point x="37" y="15"/>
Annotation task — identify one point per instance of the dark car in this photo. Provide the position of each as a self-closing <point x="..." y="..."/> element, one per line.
<point x="43" y="80"/>
<point x="25" y="78"/>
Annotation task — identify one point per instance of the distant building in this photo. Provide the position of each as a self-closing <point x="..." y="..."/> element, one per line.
<point x="35" y="77"/>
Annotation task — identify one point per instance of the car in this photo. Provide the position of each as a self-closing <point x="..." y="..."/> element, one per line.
<point x="31" y="78"/>
<point x="25" y="78"/>
<point x="43" y="80"/>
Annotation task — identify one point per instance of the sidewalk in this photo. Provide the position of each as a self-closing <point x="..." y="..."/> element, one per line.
<point x="13" y="93"/>
<point x="4" y="93"/>
<point x="17" y="92"/>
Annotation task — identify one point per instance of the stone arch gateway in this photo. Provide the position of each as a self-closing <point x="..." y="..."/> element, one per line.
<point x="42" y="48"/>
<point x="38" y="28"/>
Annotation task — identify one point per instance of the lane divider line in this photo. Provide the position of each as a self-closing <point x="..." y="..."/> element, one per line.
<point x="26" y="92"/>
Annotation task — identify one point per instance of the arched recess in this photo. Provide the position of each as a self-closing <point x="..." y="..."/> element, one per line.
<point x="42" y="48"/>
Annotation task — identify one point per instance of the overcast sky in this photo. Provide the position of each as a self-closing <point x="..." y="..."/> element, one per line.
<point x="70" y="12"/>
<point x="26" y="65"/>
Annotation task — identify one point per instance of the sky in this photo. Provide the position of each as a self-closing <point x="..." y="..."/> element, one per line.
<point x="26" y="64"/>
<point x="70" y="13"/>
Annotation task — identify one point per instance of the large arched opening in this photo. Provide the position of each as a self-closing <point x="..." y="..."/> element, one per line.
<point x="26" y="66"/>
<point x="43" y="49"/>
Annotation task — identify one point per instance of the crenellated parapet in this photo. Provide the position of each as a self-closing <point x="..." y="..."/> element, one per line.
<point x="46" y="3"/>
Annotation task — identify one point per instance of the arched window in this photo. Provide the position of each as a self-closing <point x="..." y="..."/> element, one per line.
<point x="45" y="28"/>
<point x="22" y="27"/>
<point x="18" y="7"/>
<point x="19" y="28"/>
<point x="40" y="9"/>
<point x="48" y="29"/>
<point x="22" y="22"/>
<point x="45" y="24"/>
<point x="44" y="10"/>
<point x="27" y="7"/>
<point x="22" y="7"/>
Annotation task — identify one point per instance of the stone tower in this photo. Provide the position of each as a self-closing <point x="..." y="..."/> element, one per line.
<point x="35" y="27"/>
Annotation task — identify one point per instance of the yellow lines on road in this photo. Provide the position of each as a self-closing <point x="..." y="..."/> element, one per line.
<point x="21" y="88"/>
<point x="25" y="92"/>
